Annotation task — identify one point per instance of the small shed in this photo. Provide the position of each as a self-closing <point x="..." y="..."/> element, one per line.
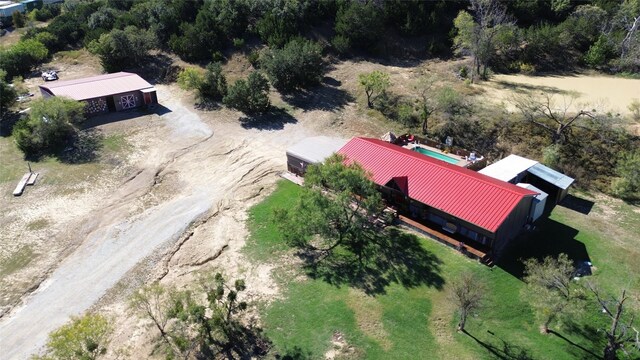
<point x="510" y="169"/>
<point x="104" y="93"/>
<point x="312" y="150"/>
<point x="555" y="183"/>
<point x="539" y="201"/>
<point x="517" y="169"/>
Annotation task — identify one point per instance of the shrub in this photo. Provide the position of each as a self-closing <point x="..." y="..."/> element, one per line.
<point x="551" y="155"/>
<point x="599" y="52"/>
<point x="254" y="59"/>
<point x="250" y="96"/>
<point x="47" y="39"/>
<point x="47" y="12"/>
<point x="214" y="83"/>
<point x="463" y="72"/>
<point x="526" y="68"/>
<point x="121" y="48"/>
<point x="634" y="108"/>
<point x="18" y="19"/>
<point x="274" y="31"/>
<point x="238" y="43"/>
<point x="298" y="65"/>
<point x="449" y="100"/>
<point x="627" y="185"/>
<point x="341" y="44"/>
<point x="406" y="115"/>
<point x="84" y="337"/>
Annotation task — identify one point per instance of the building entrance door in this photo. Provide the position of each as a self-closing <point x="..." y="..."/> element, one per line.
<point x="128" y="101"/>
<point x="111" y="104"/>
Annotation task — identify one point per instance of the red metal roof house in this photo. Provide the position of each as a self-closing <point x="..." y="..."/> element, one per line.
<point x="103" y="93"/>
<point x="464" y="203"/>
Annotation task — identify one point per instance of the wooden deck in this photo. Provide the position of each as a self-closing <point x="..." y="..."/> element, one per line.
<point x="446" y="239"/>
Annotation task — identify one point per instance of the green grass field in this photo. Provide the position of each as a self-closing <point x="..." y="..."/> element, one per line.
<point x="419" y="322"/>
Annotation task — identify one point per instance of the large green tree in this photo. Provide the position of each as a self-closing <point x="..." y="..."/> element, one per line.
<point x="49" y="126"/>
<point x="120" y="49"/>
<point x="22" y="57"/>
<point x="298" y="65"/>
<point x="335" y="209"/>
<point x="7" y="94"/>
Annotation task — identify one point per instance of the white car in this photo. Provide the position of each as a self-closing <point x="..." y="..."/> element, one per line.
<point x="49" y="75"/>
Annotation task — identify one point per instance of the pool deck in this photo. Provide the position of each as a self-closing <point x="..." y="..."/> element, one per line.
<point x="462" y="161"/>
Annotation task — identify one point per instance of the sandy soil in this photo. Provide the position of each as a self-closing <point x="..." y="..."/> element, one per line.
<point x="604" y="93"/>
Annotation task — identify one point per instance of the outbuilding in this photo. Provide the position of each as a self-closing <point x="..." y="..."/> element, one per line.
<point x="312" y="150"/>
<point x="7" y="10"/>
<point x="104" y="93"/>
<point x="516" y="169"/>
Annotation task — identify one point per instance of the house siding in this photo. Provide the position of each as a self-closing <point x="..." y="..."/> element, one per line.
<point x="512" y="226"/>
<point x="96" y="105"/>
<point x="296" y="165"/>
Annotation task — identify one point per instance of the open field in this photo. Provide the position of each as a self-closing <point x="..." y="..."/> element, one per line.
<point x="169" y="196"/>
<point x="581" y="91"/>
<point x="419" y="322"/>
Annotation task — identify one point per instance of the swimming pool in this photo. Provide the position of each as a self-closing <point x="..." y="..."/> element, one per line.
<point x="436" y="155"/>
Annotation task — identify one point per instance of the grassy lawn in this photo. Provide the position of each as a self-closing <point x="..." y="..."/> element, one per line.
<point x="419" y="322"/>
<point x="51" y="169"/>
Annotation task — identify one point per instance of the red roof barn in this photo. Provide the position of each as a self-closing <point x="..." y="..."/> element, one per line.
<point x="108" y="92"/>
<point x="484" y="210"/>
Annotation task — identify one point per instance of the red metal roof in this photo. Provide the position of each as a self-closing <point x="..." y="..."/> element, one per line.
<point x="463" y="193"/>
<point x="97" y="86"/>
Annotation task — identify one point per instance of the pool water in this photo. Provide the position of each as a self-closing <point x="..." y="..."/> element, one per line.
<point x="436" y="155"/>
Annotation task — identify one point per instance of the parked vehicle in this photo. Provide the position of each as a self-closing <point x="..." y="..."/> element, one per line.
<point x="50" y="75"/>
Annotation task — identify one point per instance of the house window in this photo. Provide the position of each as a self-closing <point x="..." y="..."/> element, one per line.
<point x="450" y="228"/>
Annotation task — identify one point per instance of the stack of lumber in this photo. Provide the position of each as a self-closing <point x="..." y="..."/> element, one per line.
<point x="28" y="179"/>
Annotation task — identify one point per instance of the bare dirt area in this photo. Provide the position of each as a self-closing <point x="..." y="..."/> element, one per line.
<point x="603" y="93"/>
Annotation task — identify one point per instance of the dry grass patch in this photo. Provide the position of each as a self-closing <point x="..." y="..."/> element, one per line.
<point x="16" y="261"/>
<point x="38" y="224"/>
<point x="368" y="313"/>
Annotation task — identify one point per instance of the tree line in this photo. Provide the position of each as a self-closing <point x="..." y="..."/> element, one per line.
<point x="522" y="35"/>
